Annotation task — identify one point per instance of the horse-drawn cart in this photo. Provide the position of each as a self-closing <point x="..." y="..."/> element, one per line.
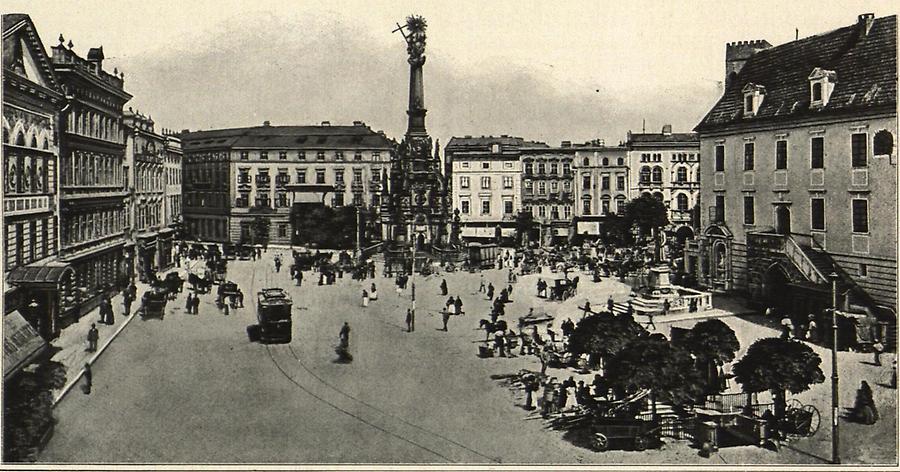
<point x="635" y="434"/>
<point x="153" y="304"/>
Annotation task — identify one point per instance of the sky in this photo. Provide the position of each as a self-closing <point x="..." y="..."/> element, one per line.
<point x="545" y="71"/>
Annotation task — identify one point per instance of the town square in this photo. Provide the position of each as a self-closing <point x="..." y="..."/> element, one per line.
<point x="440" y="280"/>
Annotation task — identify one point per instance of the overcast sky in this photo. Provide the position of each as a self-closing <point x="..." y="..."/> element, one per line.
<point x="546" y="71"/>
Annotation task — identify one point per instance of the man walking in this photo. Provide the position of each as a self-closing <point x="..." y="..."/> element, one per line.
<point x="127" y="304"/>
<point x="189" y="303"/>
<point x="344" y="335"/>
<point x="196" y="305"/>
<point x="410" y="321"/>
<point x="445" y="316"/>
<point x="92" y="337"/>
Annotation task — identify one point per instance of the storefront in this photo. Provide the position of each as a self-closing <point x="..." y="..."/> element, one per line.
<point x="44" y="293"/>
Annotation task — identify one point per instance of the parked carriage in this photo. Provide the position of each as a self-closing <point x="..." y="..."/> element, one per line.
<point x="615" y="433"/>
<point x="153" y="304"/>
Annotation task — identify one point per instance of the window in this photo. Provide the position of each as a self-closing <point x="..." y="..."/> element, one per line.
<point x="495" y="148"/>
<point x="542" y="188"/>
<point x="485" y="207"/>
<point x="529" y="187"/>
<point x="529" y="168"/>
<point x="376" y="155"/>
<point x="245" y="155"/>
<point x="567" y="168"/>
<point x="338" y="199"/>
<point x="282" y="155"/>
<point x="320" y="176"/>
<point x="605" y="161"/>
<point x="859" y="149"/>
<point x="507" y="165"/>
<point x="781" y="155"/>
<point x="463" y="182"/>
<point x="749" y="213"/>
<point x="357" y="156"/>
<point x="720" y="158"/>
<point x="657" y="174"/>
<point x="604" y="182"/>
<point x="320" y="155"/>
<point x="586" y="181"/>
<point x="281" y="200"/>
<point x="586" y="207"/>
<point x="507" y="181"/>
<point x="554" y="212"/>
<point x="620" y="161"/>
<point x="301" y="176"/>
<point x="620" y="205"/>
<point x="464" y="164"/>
<point x="817" y="153"/>
<point x="748" y="104"/>
<point x="485" y="165"/>
<point x="749" y="149"/>
<point x="720" y="209"/>
<point x="485" y="182"/>
<point x="817" y="214"/>
<point x="620" y="182"/>
<point x="339" y="176"/>
<point x="554" y="186"/>
<point x="586" y="162"/>
<point x="567" y="185"/>
<point x="264" y="155"/>
<point x="554" y="168"/>
<point x="542" y="211"/>
<point x="863" y="270"/>
<point x="883" y="144"/>
<point x="681" y="174"/>
<point x="464" y="207"/>
<point x="645" y="175"/>
<point x="339" y="155"/>
<point x="301" y="155"/>
<point x="357" y="176"/>
<point x="860" y="215"/>
<point x="681" y="201"/>
<point x="282" y="178"/>
<point x="357" y="199"/>
<point x="540" y="168"/>
<point x="507" y="207"/>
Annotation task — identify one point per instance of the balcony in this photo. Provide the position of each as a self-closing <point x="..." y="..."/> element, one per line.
<point x="685" y="184"/>
<point x="680" y="216"/>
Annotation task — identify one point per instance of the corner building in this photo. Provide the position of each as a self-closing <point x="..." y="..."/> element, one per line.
<point x="800" y="176"/>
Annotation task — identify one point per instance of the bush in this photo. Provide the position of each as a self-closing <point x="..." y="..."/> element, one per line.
<point x="28" y="410"/>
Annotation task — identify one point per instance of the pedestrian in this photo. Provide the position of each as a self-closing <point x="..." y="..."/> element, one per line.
<point x="508" y="292"/>
<point x="812" y="329"/>
<point x="877" y="349"/>
<point x="445" y="316"/>
<point x="459" y="305"/>
<point x="299" y="277"/>
<point x="410" y="321"/>
<point x="529" y="381"/>
<point x="787" y="326"/>
<point x="443" y="287"/>
<point x="127" y="304"/>
<point x="374" y="293"/>
<point x="481" y="285"/>
<point x="610" y="304"/>
<point x="893" y="382"/>
<point x="490" y="291"/>
<point x="277" y="264"/>
<point x="225" y="309"/>
<point x="547" y="399"/>
<point x="189" y="303"/>
<point x="92" y="337"/>
<point x="365" y="298"/>
<point x="88" y="378"/>
<point x="196" y="305"/>
<point x="666" y="307"/>
<point x="240" y="298"/>
<point x="110" y="316"/>
<point x="630" y="309"/>
<point x="344" y="335"/>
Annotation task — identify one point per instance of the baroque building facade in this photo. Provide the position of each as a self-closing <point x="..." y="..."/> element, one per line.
<point x="37" y="284"/>
<point x="548" y="190"/>
<point x="800" y="177"/>
<point x="600" y="182"/>
<point x="233" y="177"/>
<point x="92" y="153"/>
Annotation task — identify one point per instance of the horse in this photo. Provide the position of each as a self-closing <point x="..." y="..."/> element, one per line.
<point x="488" y="327"/>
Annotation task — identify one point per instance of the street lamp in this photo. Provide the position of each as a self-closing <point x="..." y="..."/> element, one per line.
<point x="835" y="437"/>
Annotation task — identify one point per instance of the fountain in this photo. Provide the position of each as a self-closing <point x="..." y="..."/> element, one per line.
<point x="651" y="298"/>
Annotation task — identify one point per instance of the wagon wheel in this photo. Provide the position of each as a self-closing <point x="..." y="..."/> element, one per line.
<point x="600" y="442"/>
<point x="640" y="443"/>
<point x="794" y="404"/>
<point x="814" y="419"/>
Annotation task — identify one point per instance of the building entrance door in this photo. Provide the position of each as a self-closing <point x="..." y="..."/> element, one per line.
<point x="783" y="219"/>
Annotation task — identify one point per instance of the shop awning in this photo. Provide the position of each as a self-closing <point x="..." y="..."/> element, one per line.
<point x="21" y="344"/>
<point x="39" y="273"/>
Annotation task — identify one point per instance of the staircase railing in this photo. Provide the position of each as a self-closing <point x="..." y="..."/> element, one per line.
<point x="795" y="253"/>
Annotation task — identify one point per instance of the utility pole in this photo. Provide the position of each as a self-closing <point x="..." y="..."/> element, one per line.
<point x="835" y="436"/>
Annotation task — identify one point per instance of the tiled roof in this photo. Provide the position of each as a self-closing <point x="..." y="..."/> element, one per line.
<point x="865" y="65"/>
<point x="484" y="141"/>
<point x="287" y="137"/>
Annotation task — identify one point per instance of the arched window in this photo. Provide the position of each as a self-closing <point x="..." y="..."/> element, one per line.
<point x="658" y="196"/>
<point x="605" y="161"/>
<point x="681" y="174"/>
<point x="883" y="143"/>
<point x="34" y="142"/>
<point x="586" y="162"/>
<point x="645" y="175"/>
<point x="46" y="144"/>
<point x="20" y="139"/>
<point x="682" y="201"/>
<point x="817" y="92"/>
<point x="621" y="161"/>
<point x="657" y="174"/>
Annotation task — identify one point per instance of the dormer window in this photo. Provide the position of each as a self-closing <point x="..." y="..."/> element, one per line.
<point x="753" y="97"/>
<point x="821" y="84"/>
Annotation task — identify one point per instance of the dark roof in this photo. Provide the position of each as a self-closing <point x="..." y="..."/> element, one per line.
<point x="11" y="23"/>
<point x="655" y="138"/>
<point x="865" y="65"/>
<point x="12" y="19"/>
<point x="38" y="273"/>
<point x="287" y="137"/>
<point x="485" y="141"/>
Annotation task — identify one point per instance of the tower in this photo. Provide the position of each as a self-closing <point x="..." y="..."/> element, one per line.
<point x="415" y="211"/>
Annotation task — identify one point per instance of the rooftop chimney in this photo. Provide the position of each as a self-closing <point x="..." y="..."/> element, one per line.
<point x="865" y="23"/>
<point x="267" y="123"/>
<point x="738" y="53"/>
<point x="358" y="123"/>
<point x="667" y="130"/>
<point x="326" y="123"/>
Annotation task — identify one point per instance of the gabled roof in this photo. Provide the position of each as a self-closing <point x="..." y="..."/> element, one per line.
<point x="14" y="23"/>
<point x="287" y="137"/>
<point x="865" y="66"/>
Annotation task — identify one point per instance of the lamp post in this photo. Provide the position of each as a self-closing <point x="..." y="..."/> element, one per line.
<point x="835" y="436"/>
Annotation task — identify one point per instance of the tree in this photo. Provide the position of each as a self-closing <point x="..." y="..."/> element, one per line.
<point x="711" y="342"/>
<point x="524" y="227"/>
<point x="261" y="226"/>
<point x="778" y="365"/>
<point x="650" y="214"/>
<point x="652" y="362"/>
<point x="603" y="335"/>
<point x="616" y="230"/>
